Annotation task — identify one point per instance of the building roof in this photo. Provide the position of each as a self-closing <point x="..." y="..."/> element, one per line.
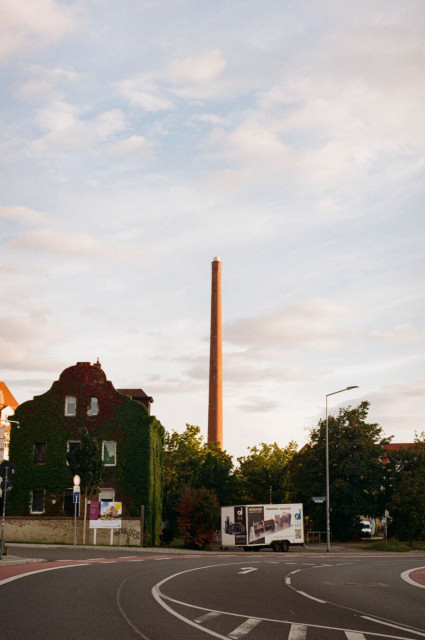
<point x="6" y="397"/>
<point x="136" y="394"/>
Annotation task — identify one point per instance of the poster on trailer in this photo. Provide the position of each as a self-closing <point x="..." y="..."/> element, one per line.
<point x="261" y="524"/>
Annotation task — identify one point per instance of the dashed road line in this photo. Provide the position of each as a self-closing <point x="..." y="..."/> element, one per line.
<point x="244" y="628"/>
<point x="298" y="632"/>
<point x="207" y="616"/>
<point x="245" y="570"/>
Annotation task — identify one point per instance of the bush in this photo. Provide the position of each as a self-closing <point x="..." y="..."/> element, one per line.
<point x="198" y="511"/>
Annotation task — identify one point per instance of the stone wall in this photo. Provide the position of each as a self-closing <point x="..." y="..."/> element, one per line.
<point x="61" y="531"/>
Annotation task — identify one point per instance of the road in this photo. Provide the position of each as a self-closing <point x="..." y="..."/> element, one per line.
<point x="108" y="593"/>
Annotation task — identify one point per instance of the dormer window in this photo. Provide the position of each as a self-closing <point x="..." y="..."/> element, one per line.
<point x="93" y="409"/>
<point x="70" y="406"/>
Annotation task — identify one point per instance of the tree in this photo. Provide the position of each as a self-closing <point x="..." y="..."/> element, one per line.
<point x="86" y="462"/>
<point x="191" y="464"/>
<point x="405" y="490"/>
<point x="263" y="474"/>
<point x="198" y="511"/>
<point x="355" y="471"/>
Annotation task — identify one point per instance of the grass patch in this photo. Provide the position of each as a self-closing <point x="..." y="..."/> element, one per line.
<point x="396" y="545"/>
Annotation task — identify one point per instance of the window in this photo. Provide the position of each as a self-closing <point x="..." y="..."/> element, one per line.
<point x="40" y="449"/>
<point x="109" y="453"/>
<point x="72" y="445"/>
<point x="37" y="501"/>
<point x="106" y="495"/>
<point x="70" y="406"/>
<point x="68" y="503"/>
<point x="93" y="409"/>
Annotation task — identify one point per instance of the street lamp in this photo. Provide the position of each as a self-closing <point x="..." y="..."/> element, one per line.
<point x="328" y="507"/>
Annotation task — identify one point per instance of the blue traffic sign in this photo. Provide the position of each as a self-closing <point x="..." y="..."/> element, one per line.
<point x="76" y="497"/>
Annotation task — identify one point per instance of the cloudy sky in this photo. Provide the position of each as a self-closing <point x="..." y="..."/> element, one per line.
<point x="139" y="139"/>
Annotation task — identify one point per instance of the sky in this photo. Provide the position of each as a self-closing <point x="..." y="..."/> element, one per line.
<point x="141" y="139"/>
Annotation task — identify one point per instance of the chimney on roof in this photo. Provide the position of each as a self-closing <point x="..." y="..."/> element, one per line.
<point x="215" y="402"/>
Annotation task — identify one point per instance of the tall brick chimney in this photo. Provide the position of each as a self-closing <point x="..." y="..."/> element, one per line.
<point x="215" y="403"/>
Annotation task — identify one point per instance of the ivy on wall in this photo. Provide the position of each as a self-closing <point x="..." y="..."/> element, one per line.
<point x="137" y="476"/>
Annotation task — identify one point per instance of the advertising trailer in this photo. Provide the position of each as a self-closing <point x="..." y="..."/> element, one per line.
<point x="256" y="526"/>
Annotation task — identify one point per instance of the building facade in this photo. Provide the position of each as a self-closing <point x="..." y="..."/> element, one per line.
<point x="129" y="439"/>
<point x="8" y="405"/>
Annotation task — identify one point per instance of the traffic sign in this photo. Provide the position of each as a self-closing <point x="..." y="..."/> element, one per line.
<point x="6" y="464"/>
<point x="76" y="497"/>
<point x="319" y="499"/>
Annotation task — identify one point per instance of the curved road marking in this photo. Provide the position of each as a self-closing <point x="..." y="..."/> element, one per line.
<point x="210" y="613"/>
<point x="406" y="577"/>
<point x="30" y="573"/>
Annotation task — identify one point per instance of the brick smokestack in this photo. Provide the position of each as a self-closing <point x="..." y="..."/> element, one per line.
<point x="215" y="403"/>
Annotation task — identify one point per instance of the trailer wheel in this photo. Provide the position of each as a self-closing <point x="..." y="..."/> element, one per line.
<point x="284" y="546"/>
<point x="276" y="546"/>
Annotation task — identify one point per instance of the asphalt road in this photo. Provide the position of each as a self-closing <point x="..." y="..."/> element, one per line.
<point x="93" y="594"/>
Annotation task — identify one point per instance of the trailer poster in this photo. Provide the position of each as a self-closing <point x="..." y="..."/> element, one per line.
<point x="234" y="525"/>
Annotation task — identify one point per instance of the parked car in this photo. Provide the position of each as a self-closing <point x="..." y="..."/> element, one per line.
<point x="366" y="529"/>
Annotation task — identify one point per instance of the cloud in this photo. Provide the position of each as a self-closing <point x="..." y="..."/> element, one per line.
<point x="25" y="339"/>
<point x="399" y="408"/>
<point x="44" y="82"/>
<point x="258" y="405"/>
<point x="198" y="69"/>
<point x="30" y="22"/>
<point x="77" y="245"/>
<point x="142" y="92"/>
<point x="135" y="146"/>
<point x="313" y="323"/>
<point x="22" y="215"/>
<point x="66" y="129"/>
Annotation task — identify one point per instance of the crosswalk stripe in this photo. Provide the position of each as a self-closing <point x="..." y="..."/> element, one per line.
<point x="207" y="616"/>
<point x="244" y="628"/>
<point x="298" y="632"/>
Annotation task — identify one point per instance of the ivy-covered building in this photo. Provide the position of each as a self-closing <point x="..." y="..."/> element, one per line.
<point x="131" y="442"/>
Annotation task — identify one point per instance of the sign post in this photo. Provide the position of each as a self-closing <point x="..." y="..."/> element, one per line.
<point x="76" y="495"/>
<point x="6" y="469"/>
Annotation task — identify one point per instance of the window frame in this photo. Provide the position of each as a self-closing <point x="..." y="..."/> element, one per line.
<point x="67" y="412"/>
<point x="41" y="458"/>
<point x="93" y="409"/>
<point x="32" y="510"/>
<point x="105" y="444"/>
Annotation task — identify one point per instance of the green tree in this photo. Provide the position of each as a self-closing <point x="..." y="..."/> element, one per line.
<point x="86" y="462"/>
<point x="264" y="473"/>
<point x="191" y="464"/>
<point x="355" y="471"/>
<point x="405" y="490"/>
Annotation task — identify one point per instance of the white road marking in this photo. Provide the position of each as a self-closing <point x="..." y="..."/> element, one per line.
<point x="30" y="573"/>
<point x="162" y="600"/>
<point x="244" y="628"/>
<point x="298" y="632"/>
<point x="208" y="616"/>
<point x="354" y="635"/>
<point x="406" y="577"/>
<point x="307" y="595"/>
<point x="247" y="570"/>
<point x="395" y="626"/>
<point x="287" y="580"/>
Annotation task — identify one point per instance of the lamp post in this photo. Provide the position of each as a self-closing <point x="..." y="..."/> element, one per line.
<point x="328" y="507"/>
